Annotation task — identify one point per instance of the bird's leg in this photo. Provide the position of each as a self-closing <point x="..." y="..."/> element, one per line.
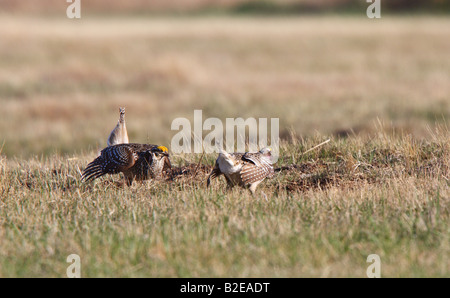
<point x="230" y="186"/>
<point x="253" y="186"/>
<point x="129" y="180"/>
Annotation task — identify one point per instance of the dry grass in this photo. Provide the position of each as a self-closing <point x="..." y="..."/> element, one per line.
<point x="374" y="188"/>
<point x="352" y="198"/>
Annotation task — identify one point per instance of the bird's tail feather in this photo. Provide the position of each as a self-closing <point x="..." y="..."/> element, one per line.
<point x="94" y="170"/>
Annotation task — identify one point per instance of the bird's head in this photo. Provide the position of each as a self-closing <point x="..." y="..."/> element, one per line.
<point x="160" y="151"/>
<point x="121" y="114"/>
<point x="160" y="154"/>
<point x="267" y="153"/>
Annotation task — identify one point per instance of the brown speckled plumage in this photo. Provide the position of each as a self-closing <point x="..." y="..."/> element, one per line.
<point x="135" y="161"/>
<point x="243" y="169"/>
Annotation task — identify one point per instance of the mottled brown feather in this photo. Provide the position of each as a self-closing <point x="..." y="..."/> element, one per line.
<point x="135" y="161"/>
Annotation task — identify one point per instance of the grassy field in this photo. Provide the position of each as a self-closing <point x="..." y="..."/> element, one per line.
<point x="62" y="81"/>
<point x="379" y="89"/>
<point x="385" y="196"/>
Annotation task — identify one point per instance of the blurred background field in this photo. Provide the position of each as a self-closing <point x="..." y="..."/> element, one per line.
<point x="62" y="80"/>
